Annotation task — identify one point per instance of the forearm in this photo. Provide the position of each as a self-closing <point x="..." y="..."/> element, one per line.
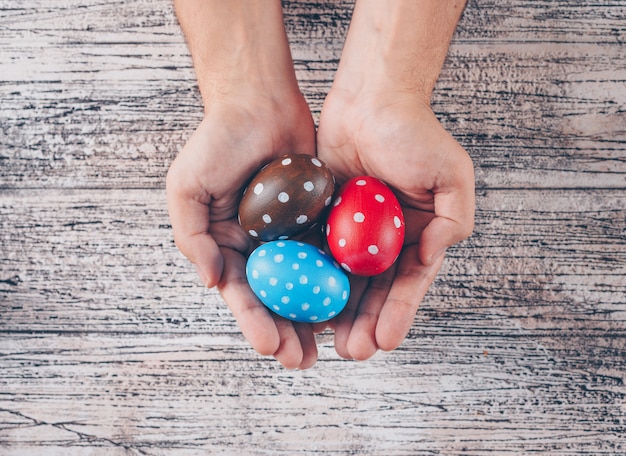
<point x="398" y="44"/>
<point x="233" y="42"/>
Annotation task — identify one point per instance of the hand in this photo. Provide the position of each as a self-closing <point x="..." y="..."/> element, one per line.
<point x="254" y="112"/>
<point x="376" y="121"/>
<point x="238" y="135"/>
<point x="395" y="137"/>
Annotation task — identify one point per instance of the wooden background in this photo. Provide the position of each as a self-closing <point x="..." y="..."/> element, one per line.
<point x="110" y="346"/>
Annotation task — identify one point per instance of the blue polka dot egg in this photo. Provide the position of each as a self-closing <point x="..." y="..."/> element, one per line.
<point x="298" y="281"/>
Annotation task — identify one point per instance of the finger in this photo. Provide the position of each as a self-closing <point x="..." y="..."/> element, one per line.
<point x="410" y="284"/>
<point x="362" y="343"/>
<point x="190" y="222"/>
<point x="342" y="324"/>
<point x="454" y="215"/>
<point x="255" y="321"/>
<point x="319" y="328"/>
<point x="308" y="344"/>
<point x="289" y="353"/>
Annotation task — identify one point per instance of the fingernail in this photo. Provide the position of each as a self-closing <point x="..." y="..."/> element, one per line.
<point x="203" y="276"/>
<point x="438" y="254"/>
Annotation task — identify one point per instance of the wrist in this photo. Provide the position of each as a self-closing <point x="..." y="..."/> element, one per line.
<point x="397" y="46"/>
<point x="236" y="45"/>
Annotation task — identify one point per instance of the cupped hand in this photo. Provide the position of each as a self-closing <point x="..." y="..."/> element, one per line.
<point x="395" y="137"/>
<point x="242" y="130"/>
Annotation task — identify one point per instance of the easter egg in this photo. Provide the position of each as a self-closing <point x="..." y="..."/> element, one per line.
<point x="286" y="198"/>
<point x="365" y="226"/>
<point x="297" y="281"/>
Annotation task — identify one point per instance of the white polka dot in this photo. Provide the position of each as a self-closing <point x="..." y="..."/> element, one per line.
<point x="295" y="266"/>
<point x="286" y="161"/>
<point x="332" y="281"/>
<point x="346" y="267"/>
<point x="361" y="182"/>
<point x="397" y="222"/>
<point x="316" y="289"/>
<point x="255" y="274"/>
<point x="308" y="186"/>
<point x="326" y="301"/>
<point x="273" y="281"/>
<point x="380" y="198"/>
<point x="258" y="188"/>
<point x="327" y="230"/>
<point x="299" y="244"/>
<point x="285" y="299"/>
<point x="306" y="306"/>
<point x="316" y="162"/>
<point x="262" y="252"/>
<point x="275" y="307"/>
<point x="331" y="314"/>
<point x="267" y="218"/>
<point x="263" y="293"/>
<point x="359" y="217"/>
<point x="319" y="263"/>
<point x="328" y="200"/>
<point x="303" y="280"/>
<point x="283" y="197"/>
<point x="301" y="219"/>
<point x="253" y="233"/>
<point x="279" y="258"/>
<point x="373" y="249"/>
<point x="344" y="295"/>
<point x="280" y="244"/>
<point x="313" y="317"/>
<point x="302" y="255"/>
<point x="337" y="201"/>
<point x="289" y="286"/>
<point x="341" y="242"/>
<point x="292" y="315"/>
<point x="283" y="237"/>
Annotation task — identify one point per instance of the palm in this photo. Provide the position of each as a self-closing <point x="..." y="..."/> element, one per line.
<point x="204" y="187"/>
<point x="397" y="139"/>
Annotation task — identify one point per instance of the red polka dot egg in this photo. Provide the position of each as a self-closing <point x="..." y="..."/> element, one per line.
<point x="365" y="226"/>
<point x="286" y="198"/>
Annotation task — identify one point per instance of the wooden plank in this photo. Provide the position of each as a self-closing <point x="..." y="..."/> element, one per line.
<point x="534" y="91"/>
<point x="197" y="394"/>
<point x="109" y="345"/>
<point x="547" y="261"/>
<point x="554" y="118"/>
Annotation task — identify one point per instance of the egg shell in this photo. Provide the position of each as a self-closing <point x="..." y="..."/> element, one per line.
<point x="286" y="198"/>
<point x="297" y="281"/>
<point x="365" y="227"/>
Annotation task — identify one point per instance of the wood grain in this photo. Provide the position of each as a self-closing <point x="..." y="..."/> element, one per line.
<point x="77" y="260"/>
<point x="109" y="345"/>
<point x="189" y="395"/>
<point x="86" y="87"/>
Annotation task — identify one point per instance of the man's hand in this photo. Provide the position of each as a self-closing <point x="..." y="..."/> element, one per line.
<point x="254" y="113"/>
<point x="377" y="121"/>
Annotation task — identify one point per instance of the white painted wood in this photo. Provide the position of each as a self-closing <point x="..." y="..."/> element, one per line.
<point x="106" y="261"/>
<point x="110" y="346"/>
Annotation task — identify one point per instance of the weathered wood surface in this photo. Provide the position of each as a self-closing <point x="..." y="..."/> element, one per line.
<point x="109" y="345"/>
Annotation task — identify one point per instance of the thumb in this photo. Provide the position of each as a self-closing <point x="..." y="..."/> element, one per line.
<point x="453" y="222"/>
<point x="190" y="224"/>
<point x="454" y="205"/>
<point x="440" y="234"/>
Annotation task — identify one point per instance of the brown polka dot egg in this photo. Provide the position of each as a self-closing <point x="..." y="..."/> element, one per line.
<point x="286" y="198"/>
